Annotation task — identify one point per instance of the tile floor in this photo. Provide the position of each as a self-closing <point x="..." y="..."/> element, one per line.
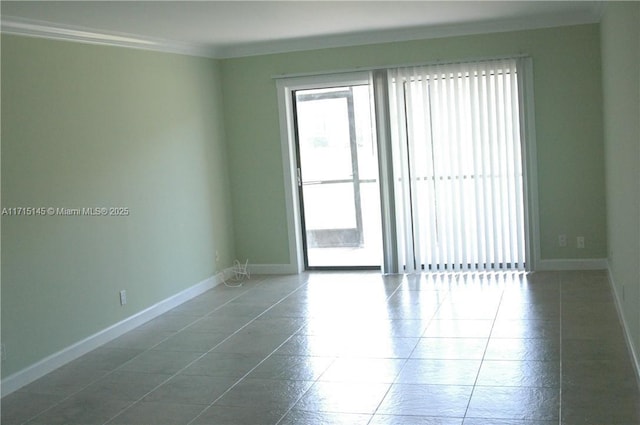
<point x="359" y="348"/>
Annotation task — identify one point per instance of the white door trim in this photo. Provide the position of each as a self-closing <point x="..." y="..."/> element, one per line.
<point x="285" y="87"/>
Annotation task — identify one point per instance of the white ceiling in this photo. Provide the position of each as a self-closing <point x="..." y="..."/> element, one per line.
<point x="240" y="28"/>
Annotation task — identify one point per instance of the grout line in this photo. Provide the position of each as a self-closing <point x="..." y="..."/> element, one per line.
<point x="450" y="276"/>
<point x="130" y="360"/>
<point x="197" y="358"/>
<point x="259" y="363"/>
<point x="257" y="284"/>
<point x="393" y="293"/>
<point x="373" y="414"/>
<point x="395" y="288"/>
<point x="486" y="347"/>
<point x="560" y="285"/>
<point x="245" y="375"/>
<point x="336" y="358"/>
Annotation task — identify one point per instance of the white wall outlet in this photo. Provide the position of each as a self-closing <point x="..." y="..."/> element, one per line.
<point x="123" y="297"/>
<point x="562" y="240"/>
<point x="580" y="241"/>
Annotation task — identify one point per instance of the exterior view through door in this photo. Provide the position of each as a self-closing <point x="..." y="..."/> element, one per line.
<point x="338" y="177"/>
<point x="450" y="175"/>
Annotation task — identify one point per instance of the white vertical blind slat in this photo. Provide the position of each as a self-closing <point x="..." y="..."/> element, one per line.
<point x="518" y="168"/>
<point x="478" y="167"/>
<point x="414" y="157"/>
<point x="396" y="107"/>
<point x="502" y="164"/>
<point x="510" y="186"/>
<point x="455" y="175"/>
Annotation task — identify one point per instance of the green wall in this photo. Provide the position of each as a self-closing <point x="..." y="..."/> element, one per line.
<point x="568" y="125"/>
<point x="87" y="126"/>
<point x="621" y="87"/>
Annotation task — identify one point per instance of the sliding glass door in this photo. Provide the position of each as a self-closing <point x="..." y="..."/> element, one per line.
<point x="436" y="182"/>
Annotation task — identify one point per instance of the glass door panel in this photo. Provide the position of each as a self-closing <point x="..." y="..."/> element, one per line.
<point x="338" y="177"/>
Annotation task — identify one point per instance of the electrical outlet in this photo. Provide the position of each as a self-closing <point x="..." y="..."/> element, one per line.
<point x="580" y="242"/>
<point x="123" y="297"/>
<point x="562" y="240"/>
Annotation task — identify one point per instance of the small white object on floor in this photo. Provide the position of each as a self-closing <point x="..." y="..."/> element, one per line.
<point x="240" y="271"/>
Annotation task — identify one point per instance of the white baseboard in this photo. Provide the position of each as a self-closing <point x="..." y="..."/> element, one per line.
<point x="272" y="269"/>
<point x="37" y="370"/>
<point x="635" y="358"/>
<point x="571" y="264"/>
<point x="542" y="265"/>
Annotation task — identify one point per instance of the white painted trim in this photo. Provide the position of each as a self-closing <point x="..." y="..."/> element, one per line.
<point x="41" y="29"/>
<point x="572" y="264"/>
<point x="530" y="162"/>
<point x="273" y="269"/>
<point x="51" y="30"/>
<point x="407" y="34"/>
<point x="285" y="88"/>
<point x="635" y="357"/>
<point x="287" y="146"/>
<point x="50" y="363"/>
<point x="362" y="69"/>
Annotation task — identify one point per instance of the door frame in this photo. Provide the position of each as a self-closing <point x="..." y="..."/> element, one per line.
<point x="286" y="87"/>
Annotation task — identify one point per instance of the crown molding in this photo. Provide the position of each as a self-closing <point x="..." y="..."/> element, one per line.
<point x="41" y="29"/>
<point x="410" y="34"/>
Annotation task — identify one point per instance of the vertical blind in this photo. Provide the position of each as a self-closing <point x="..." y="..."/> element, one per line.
<point x="457" y="166"/>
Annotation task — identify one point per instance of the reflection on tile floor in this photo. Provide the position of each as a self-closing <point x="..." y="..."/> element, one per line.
<point x="359" y="348"/>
